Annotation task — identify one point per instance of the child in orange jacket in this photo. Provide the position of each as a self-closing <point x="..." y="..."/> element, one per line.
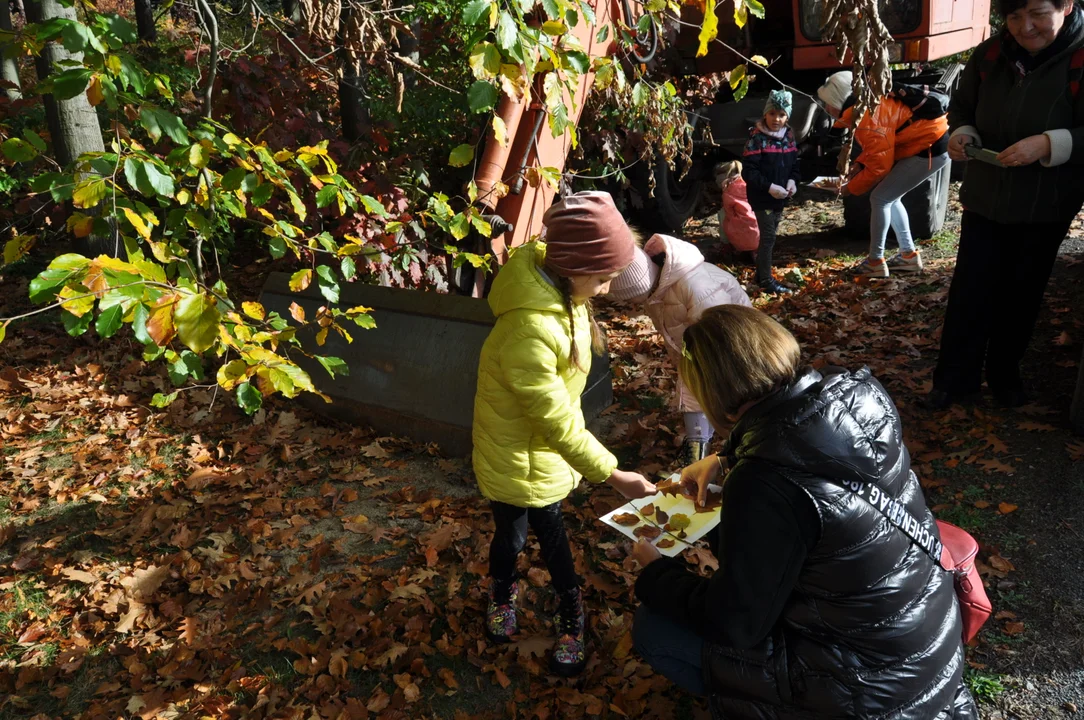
<point x="737" y="222"/>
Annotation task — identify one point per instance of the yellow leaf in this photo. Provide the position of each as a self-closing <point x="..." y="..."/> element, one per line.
<point x="741" y="14"/>
<point x="500" y="131"/>
<point x="89" y="192"/>
<point x="17" y="247"/>
<point x="82" y="303"/>
<point x="94" y="91"/>
<point x="184" y="196"/>
<point x="736" y="76"/>
<point x="140" y="226"/>
<point x="554" y="27"/>
<point x="760" y="60"/>
<point x="254" y="310"/>
<point x="679" y="522"/>
<point x="709" y="30"/>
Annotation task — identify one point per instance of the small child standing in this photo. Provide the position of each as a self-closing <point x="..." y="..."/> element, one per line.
<point x="737" y="223"/>
<point x="771" y="172"/>
<point x="530" y="442"/>
<point x="676" y="286"/>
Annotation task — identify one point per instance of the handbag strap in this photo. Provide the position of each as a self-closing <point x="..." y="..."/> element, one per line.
<point x="897" y="513"/>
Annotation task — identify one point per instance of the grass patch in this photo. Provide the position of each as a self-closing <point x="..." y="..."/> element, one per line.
<point x="968" y="517"/>
<point x="984" y="686"/>
<point x="943" y="244"/>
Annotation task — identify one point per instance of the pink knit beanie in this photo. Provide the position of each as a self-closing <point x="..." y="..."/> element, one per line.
<point x="637" y="281"/>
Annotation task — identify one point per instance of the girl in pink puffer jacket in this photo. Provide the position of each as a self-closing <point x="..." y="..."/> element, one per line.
<point x="676" y="286"/>
<point x="737" y="223"/>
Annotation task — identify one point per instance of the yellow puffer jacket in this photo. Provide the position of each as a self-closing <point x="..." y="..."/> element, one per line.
<point x="530" y="442"/>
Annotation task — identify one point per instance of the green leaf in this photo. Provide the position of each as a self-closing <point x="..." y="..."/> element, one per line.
<point x="139" y="325"/>
<point x="327" y="195"/>
<point x="262" y="194"/>
<point x="71" y="82"/>
<point x="18" y="150"/>
<point x="196" y="319"/>
<point x="603" y="34"/>
<point x="460" y="226"/>
<point x="643" y="25"/>
<point x="588" y="13"/>
<point x="742" y="89"/>
<point x="188" y="365"/>
<point x="641" y="93"/>
<point x="507" y="33"/>
<point x="485" y="61"/>
<point x="109" y="321"/>
<point x="145" y="177"/>
<point x="374" y="206"/>
<point x="3" y="330"/>
<point x="249" y="398"/>
<point x="329" y="286"/>
<point x="461" y="155"/>
<point x="755" y="8"/>
<point x="553" y="11"/>
<point x="333" y="365"/>
<point x="198" y="155"/>
<point x="482" y="96"/>
<point x="736" y="76"/>
<point x="160" y="401"/>
<point x="75" y="325"/>
<point x="158" y="122"/>
<point x="123" y="29"/>
<point x="34" y="139"/>
<point x="475" y="11"/>
<point x="89" y="192"/>
<point x="578" y="61"/>
<point x="348" y="268"/>
<point x="78" y="38"/>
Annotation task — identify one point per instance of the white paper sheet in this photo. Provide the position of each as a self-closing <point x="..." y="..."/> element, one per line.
<point x="700" y="523"/>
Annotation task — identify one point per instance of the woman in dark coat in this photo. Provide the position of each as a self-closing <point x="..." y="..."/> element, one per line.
<point x="1020" y="98"/>
<point x="820" y="607"/>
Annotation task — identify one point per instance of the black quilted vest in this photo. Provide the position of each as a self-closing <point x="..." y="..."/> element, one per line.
<point x="872" y="629"/>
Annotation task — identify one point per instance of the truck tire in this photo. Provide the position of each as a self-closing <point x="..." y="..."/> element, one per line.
<point x="926" y="206"/>
<point x="675" y="200"/>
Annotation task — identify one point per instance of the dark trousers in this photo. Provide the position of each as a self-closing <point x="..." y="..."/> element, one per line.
<point x="995" y="298"/>
<point x="768" y="221"/>
<point x="511" y="537"/>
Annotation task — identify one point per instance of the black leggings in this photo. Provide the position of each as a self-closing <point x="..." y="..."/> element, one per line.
<point x="511" y="537"/>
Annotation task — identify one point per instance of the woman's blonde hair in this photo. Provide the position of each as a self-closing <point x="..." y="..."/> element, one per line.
<point x="734" y="355"/>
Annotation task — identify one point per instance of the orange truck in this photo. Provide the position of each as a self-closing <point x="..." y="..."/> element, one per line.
<point x="789" y="35"/>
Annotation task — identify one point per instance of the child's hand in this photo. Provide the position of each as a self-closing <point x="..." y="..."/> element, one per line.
<point x="778" y="192"/>
<point x="645" y="553"/>
<point x="632" y="485"/>
<point x="792" y="188"/>
<point x="700" y="474"/>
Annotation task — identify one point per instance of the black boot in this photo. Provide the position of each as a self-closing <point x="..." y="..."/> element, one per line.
<point x="774" y="287"/>
<point x="570" y="652"/>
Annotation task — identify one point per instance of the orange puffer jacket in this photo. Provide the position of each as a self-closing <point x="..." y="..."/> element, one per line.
<point x="887" y="136"/>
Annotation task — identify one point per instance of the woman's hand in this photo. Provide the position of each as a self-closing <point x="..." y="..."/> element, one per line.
<point x="956" y="145"/>
<point x="700" y="474"/>
<point x="1027" y="151"/>
<point x="645" y="553"/>
<point x="632" y="485"/>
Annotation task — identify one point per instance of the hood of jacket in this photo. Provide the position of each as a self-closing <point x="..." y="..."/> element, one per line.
<point x="520" y="284"/>
<point x="682" y="258"/>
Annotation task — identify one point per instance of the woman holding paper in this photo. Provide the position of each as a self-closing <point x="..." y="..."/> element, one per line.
<point x="1019" y="99"/>
<point x="819" y="607"/>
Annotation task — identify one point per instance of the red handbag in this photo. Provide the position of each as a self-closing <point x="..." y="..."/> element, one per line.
<point x="958" y="557"/>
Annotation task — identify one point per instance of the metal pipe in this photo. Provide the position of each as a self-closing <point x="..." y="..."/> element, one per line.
<point x="540" y="115"/>
<point x="495" y="158"/>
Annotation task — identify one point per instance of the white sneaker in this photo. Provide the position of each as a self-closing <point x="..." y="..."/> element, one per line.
<point x="904" y="264"/>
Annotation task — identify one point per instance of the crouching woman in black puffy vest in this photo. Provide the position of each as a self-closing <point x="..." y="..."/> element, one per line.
<point x="820" y="607"/>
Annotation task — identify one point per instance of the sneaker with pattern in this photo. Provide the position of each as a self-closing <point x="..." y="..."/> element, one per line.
<point x="906" y="262"/>
<point x="501" y="620"/>
<point x="871" y="267"/>
<point x="570" y="653"/>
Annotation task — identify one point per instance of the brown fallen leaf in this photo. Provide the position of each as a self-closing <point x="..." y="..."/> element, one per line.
<point x="79" y="575"/>
<point x="1006" y="508"/>
<point x="665" y="543"/>
<point x="999" y="563"/>
<point x="1013" y="628"/>
<point x="981" y="504"/>
<point x="662" y="517"/>
<point x="142" y="584"/>
<point x="648" y="532"/>
<point x="648" y="509"/>
<point x="626" y="519"/>
<point x="1005" y="615"/>
<point x="1032" y="426"/>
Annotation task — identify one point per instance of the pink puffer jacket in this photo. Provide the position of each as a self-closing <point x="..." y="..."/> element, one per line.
<point x="740" y="223"/>
<point x="687" y="287"/>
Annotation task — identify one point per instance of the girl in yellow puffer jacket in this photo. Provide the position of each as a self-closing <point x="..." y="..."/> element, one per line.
<point x="531" y="445"/>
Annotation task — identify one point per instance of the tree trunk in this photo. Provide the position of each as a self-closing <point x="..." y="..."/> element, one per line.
<point x="73" y="123"/>
<point x="17" y="7"/>
<point x="352" y="106"/>
<point x="144" y="12"/>
<point x="9" y="65"/>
